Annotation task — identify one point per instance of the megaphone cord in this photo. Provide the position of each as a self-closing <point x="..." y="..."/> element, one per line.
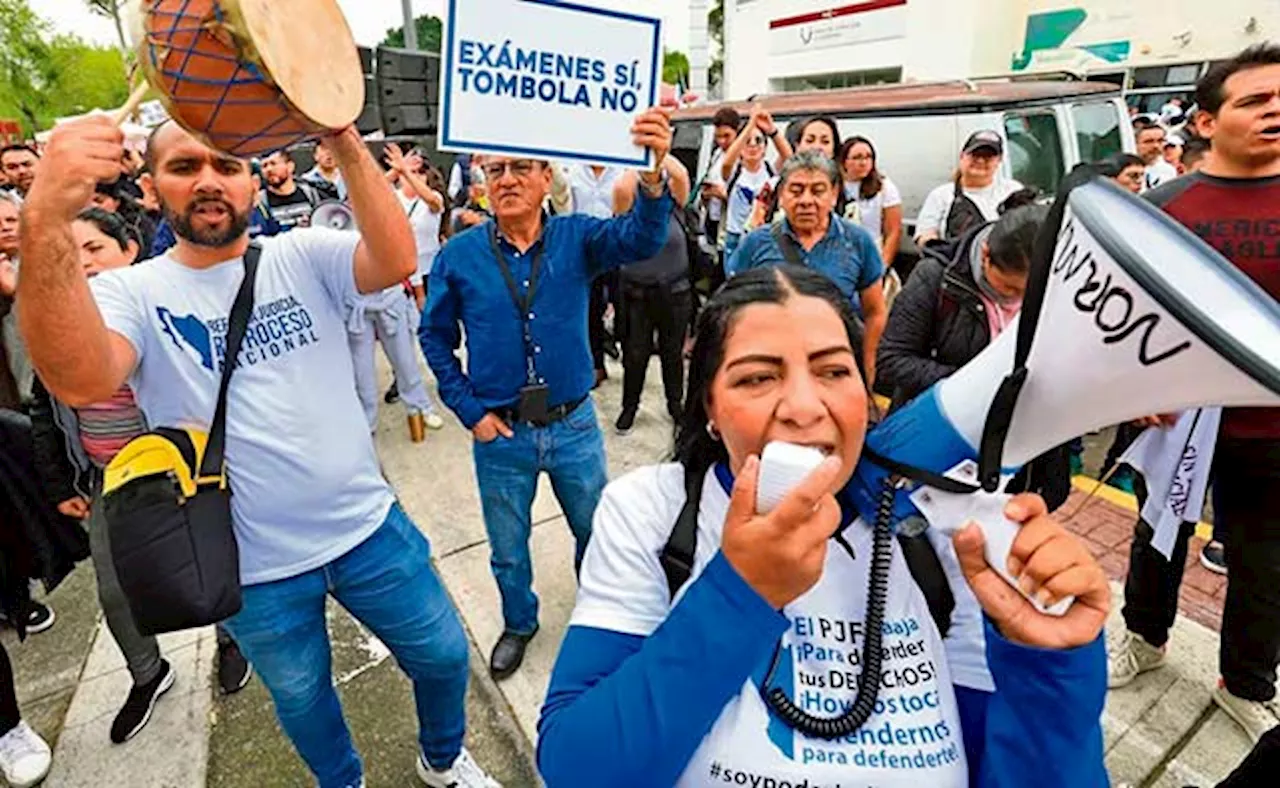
<point x="872" y="655"/>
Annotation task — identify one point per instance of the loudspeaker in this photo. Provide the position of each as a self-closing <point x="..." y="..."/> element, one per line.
<point x="407" y="91"/>
<point x="1127" y="314"/>
<point x="333" y="214"/>
<point x="370" y="119"/>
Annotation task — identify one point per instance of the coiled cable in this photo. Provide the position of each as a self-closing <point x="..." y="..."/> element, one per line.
<point x="872" y="655"/>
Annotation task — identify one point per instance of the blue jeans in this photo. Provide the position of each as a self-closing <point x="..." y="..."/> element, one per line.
<point x="571" y="452"/>
<point x="388" y="584"/>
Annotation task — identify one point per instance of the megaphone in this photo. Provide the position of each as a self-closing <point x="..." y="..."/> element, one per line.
<point x="334" y="214"/>
<point x="1127" y="314"/>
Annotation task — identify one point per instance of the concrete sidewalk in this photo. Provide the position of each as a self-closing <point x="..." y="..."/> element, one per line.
<point x="1161" y="731"/>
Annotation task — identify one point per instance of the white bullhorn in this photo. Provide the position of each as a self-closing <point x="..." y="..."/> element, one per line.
<point x="1133" y="315"/>
<point x="333" y="214"/>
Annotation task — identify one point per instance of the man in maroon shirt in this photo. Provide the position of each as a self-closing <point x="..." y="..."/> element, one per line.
<point x="1233" y="203"/>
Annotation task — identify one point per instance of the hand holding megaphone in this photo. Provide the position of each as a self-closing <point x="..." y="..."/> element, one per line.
<point x="1050" y="565"/>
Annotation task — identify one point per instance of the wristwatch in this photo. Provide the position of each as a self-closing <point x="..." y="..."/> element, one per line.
<point x="772" y="134"/>
<point x="657" y="189"/>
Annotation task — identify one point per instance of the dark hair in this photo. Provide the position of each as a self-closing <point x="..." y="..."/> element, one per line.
<point x="1117" y="163"/>
<point x="1013" y="238"/>
<point x="1211" y="92"/>
<point x="796" y="130"/>
<point x="18" y="146"/>
<point x="874" y="182"/>
<point x="695" y="449"/>
<point x="1145" y="125"/>
<point x="110" y="224"/>
<point x="285" y="152"/>
<point x="1195" y="150"/>
<point x="727" y="116"/>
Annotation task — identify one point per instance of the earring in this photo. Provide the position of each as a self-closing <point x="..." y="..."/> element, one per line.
<point x="713" y="432"/>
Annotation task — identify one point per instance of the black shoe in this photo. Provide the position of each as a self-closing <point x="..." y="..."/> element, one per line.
<point x="508" y="654"/>
<point x="625" y="421"/>
<point x="137" y="709"/>
<point x="39" y="618"/>
<point x="611" y="350"/>
<point x="1213" y="558"/>
<point x="393" y="394"/>
<point x="234" y="671"/>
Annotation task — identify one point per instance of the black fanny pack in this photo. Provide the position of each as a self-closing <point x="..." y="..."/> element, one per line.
<point x="167" y="505"/>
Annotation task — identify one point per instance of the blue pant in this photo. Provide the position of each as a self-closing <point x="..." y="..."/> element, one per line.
<point x="571" y="452"/>
<point x="388" y="584"/>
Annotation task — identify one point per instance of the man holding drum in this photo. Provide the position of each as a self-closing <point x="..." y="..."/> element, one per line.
<point x="312" y="513"/>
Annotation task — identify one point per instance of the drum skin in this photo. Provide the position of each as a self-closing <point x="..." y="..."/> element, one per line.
<point x="208" y="59"/>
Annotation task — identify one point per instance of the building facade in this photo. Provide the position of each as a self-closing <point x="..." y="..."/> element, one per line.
<point x="1155" y="48"/>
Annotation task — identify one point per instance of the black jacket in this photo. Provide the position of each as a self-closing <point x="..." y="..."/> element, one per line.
<point x="61" y="464"/>
<point x="937" y="325"/>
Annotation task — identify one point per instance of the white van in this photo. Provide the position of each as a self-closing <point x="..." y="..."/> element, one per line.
<point x="918" y="128"/>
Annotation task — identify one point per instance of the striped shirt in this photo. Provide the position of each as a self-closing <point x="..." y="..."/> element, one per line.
<point x="105" y="427"/>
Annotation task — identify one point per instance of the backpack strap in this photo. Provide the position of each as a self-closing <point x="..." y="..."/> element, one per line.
<point x="678" y="553"/>
<point x="787" y="245"/>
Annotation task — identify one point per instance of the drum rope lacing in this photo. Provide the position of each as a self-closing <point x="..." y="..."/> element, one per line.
<point x="185" y="22"/>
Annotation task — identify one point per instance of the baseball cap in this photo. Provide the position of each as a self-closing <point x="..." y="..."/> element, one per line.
<point x="1174" y="141"/>
<point x="984" y="139"/>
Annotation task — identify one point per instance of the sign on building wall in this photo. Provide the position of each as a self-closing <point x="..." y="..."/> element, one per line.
<point x="859" y="23"/>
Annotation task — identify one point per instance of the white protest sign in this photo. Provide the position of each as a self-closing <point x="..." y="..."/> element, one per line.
<point x="547" y="80"/>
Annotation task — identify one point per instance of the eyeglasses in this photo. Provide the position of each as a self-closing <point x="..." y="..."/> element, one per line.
<point x="755" y="140"/>
<point x="520" y="168"/>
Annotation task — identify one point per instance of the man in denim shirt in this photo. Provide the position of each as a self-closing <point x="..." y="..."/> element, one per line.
<point x="519" y="286"/>
<point x="812" y="235"/>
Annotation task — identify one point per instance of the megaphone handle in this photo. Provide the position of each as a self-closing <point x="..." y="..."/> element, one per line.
<point x="999" y="533"/>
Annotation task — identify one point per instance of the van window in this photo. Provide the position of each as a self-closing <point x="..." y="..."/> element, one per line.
<point x="1035" y="149"/>
<point x="1097" y="130"/>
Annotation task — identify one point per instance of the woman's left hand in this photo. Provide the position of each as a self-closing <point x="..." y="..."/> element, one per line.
<point x="1050" y="564"/>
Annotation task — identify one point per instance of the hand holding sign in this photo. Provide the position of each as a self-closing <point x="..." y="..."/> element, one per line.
<point x="1051" y="565"/>
<point x="652" y="130"/>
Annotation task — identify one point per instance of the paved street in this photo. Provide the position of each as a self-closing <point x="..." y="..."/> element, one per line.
<point x="1162" y="731"/>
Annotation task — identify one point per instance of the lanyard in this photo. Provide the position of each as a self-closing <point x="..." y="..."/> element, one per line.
<point x="522" y="304"/>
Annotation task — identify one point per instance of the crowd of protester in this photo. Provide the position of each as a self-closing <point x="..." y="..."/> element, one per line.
<point x="730" y="276"/>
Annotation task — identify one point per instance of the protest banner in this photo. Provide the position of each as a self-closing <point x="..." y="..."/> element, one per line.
<point x="547" y="80"/>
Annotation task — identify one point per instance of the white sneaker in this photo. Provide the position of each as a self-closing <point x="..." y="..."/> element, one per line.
<point x="1256" y="717"/>
<point x="465" y="773"/>
<point x="24" y="757"/>
<point x="434" y="422"/>
<point x="1130" y="658"/>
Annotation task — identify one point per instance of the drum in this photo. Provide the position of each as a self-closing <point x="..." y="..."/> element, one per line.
<point x="251" y="76"/>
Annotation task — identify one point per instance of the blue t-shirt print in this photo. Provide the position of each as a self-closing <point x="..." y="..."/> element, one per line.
<point x="276" y="329"/>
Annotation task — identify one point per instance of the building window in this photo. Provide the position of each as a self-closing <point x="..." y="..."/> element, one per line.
<point x="1166" y="76"/>
<point x="844" y="79"/>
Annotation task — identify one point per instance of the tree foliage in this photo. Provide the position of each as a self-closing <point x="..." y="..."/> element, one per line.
<point x="715" y="29"/>
<point x="111" y="9"/>
<point x="430" y="34"/>
<point x="675" y="67"/>
<point x="45" y="76"/>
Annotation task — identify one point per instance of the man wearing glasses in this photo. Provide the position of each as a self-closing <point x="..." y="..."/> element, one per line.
<point x="519" y="286"/>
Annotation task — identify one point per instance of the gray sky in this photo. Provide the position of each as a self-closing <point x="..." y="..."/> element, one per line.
<point x="369" y="19"/>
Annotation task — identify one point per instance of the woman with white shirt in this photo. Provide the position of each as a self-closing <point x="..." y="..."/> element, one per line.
<point x="973" y="197"/>
<point x="729" y="667"/>
<point x="873" y="200"/>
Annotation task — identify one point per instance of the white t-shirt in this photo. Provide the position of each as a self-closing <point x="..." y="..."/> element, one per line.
<point x="306" y="483"/>
<point x="870" y="213"/>
<point x="937" y="206"/>
<point x="426" y="231"/>
<point x="914" y="737"/>
<point x="742" y="199"/>
<point x="593" y="194"/>
<point x="715" y="207"/>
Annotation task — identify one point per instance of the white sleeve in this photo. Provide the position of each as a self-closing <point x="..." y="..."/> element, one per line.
<point x="121" y="311"/>
<point x="934" y="211"/>
<point x="328" y="254"/>
<point x="455" y="182"/>
<point x="622" y="587"/>
<point x="892" y="197"/>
